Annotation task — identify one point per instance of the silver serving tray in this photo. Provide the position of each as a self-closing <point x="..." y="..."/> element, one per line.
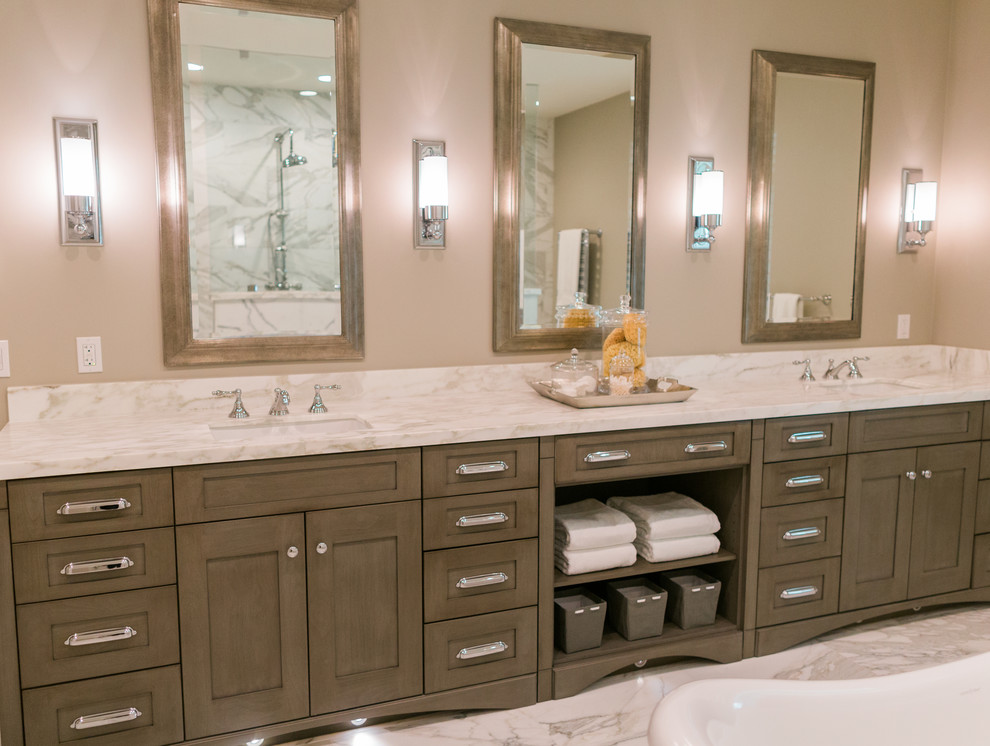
<point x="681" y="393"/>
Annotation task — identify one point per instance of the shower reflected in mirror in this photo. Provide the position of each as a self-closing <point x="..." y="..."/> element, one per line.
<point x="280" y="280"/>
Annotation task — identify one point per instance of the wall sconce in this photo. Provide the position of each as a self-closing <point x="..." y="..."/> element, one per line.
<point x="429" y="194"/>
<point x="705" y="191"/>
<point x="78" y="167"/>
<point x="917" y="210"/>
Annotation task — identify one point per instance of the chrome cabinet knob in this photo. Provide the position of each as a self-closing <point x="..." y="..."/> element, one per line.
<point x="321" y="548"/>
<point x="911" y="475"/>
<point x="926" y="473"/>
<point x="293" y="552"/>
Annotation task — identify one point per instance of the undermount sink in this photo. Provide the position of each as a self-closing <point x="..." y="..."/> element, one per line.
<point x="275" y="429"/>
<point x="872" y="385"/>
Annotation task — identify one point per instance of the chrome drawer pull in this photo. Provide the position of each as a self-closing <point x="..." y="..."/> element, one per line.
<point x="481" y="519"/>
<point x="105" y="718"/>
<point x="799" y="592"/>
<point x="802" y="533"/>
<point x="484" y="467"/>
<point x="808" y="437"/>
<point x="717" y="445"/>
<point x="478" y="651"/>
<point x="476" y="581"/>
<point x="808" y="481"/>
<point x="100" y="565"/>
<point x="598" y="457"/>
<point x="97" y="636"/>
<point x="93" y="506"/>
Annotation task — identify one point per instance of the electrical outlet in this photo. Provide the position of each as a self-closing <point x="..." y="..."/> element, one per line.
<point x="903" y="326"/>
<point x="4" y="359"/>
<point x="89" y="354"/>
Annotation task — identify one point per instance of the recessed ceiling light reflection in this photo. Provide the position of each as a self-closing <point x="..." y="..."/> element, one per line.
<point x="307" y="93"/>
<point x="325" y="78"/>
<point x="193" y="66"/>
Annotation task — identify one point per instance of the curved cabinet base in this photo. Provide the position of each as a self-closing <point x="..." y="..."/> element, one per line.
<point x="774" y="639"/>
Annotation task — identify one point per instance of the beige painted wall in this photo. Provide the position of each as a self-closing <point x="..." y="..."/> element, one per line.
<point x="963" y="287"/>
<point x="426" y="71"/>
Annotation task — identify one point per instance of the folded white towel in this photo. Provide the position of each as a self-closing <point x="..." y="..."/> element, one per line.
<point x="785" y="307"/>
<point x="577" y="561"/>
<point x="668" y="550"/>
<point x="590" y="524"/>
<point x="668" y="515"/>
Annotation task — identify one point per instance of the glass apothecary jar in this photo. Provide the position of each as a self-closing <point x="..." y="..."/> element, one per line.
<point x="579" y="315"/>
<point x="574" y="377"/>
<point x="624" y="332"/>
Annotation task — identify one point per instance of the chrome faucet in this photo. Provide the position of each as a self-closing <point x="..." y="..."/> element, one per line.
<point x="807" y="375"/>
<point x="832" y="373"/>
<point x="318" y="407"/>
<point x="281" y="404"/>
<point x="238" y="411"/>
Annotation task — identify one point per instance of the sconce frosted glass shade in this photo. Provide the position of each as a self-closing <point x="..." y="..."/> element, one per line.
<point x="77" y="161"/>
<point x="920" y="199"/>
<point x="433" y="182"/>
<point x="707" y="198"/>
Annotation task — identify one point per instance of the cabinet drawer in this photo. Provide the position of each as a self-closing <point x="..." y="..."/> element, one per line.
<point x="480" y="519"/>
<point x="791" y="592"/>
<point x="243" y="489"/>
<point x="982" y="525"/>
<point x="80" y="638"/>
<point x="788" y="482"/>
<point x="981" y="561"/>
<point x="478" y="580"/>
<point x="798" y="533"/>
<point x="802" y="437"/>
<point x="640" y="453"/>
<point x="147" y="706"/>
<point x="470" y="651"/>
<point x="914" y="426"/>
<point x="57" y="507"/>
<point x="63" y="568"/>
<point x="480" y="467"/>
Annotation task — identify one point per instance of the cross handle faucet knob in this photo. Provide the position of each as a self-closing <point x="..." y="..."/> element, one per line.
<point x="807" y="375"/>
<point x="318" y="407"/>
<point x="238" y="411"/>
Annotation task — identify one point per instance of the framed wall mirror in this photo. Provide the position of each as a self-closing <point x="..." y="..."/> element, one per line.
<point x="809" y="162"/>
<point x="258" y="144"/>
<point x="571" y="124"/>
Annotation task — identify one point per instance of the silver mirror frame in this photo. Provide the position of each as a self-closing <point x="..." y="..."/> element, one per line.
<point x="180" y="348"/>
<point x="510" y="35"/>
<point x="765" y="66"/>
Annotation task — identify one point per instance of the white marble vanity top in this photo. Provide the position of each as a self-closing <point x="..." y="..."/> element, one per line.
<point x="81" y="428"/>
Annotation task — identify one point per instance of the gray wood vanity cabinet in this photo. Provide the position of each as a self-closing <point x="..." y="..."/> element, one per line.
<point x="317" y="589"/>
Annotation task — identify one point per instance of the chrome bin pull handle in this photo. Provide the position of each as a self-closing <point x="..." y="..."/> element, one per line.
<point x="801" y="533"/>
<point x="799" y="592"/>
<point x="477" y="581"/>
<point x="717" y="445"/>
<point x="598" y="457"/>
<point x="481" y="519"/>
<point x="483" y="467"/>
<point x="808" y="437"/>
<point x="105" y="718"/>
<point x="98" y="636"/>
<point x="93" y="506"/>
<point x="807" y="481"/>
<point x="99" y="565"/>
<point x="478" y="651"/>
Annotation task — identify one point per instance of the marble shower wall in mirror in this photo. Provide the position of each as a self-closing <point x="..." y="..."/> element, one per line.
<point x="260" y="168"/>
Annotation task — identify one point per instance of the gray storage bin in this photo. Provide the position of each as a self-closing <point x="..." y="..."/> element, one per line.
<point x="636" y="607"/>
<point x="693" y="597"/>
<point x="578" y="619"/>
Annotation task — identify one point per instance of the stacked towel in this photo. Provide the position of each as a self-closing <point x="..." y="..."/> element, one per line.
<point x="590" y="536"/>
<point x="670" y="526"/>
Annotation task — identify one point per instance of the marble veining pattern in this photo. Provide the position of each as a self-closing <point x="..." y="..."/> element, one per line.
<point x="616" y="711"/>
<point x="114" y="426"/>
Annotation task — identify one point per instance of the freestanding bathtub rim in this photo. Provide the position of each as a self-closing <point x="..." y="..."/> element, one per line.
<point x="940" y="704"/>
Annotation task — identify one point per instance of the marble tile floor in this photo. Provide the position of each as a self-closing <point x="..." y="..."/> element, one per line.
<point x="617" y="710"/>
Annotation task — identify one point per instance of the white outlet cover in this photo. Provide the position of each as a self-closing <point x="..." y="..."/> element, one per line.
<point x="89" y="354"/>
<point x="4" y="358"/>
<point x="903" y="326"/>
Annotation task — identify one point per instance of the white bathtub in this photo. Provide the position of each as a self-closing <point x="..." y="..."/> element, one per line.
<point x="946" y="705"/>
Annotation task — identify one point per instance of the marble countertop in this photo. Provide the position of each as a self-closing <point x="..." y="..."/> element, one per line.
<point x="110" y="427"/>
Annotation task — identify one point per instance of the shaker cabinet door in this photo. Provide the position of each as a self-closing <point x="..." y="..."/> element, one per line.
<point x="944" y="519"/>
<point x="242" y="605"/>
<point x="365" y="605"/>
